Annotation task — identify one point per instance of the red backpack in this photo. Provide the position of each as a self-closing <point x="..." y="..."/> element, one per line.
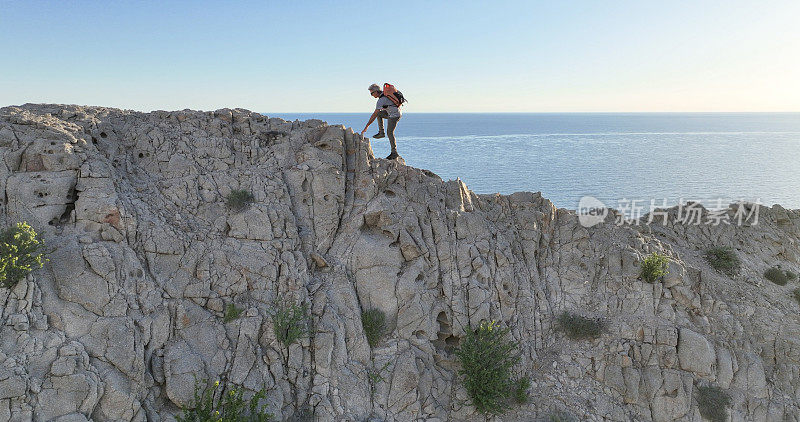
<point x="393" y="94"/>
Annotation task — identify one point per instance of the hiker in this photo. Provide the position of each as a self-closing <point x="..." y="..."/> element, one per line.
<point x="385" y="109"/>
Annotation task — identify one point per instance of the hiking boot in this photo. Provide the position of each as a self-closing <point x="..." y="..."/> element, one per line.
<point x="379" y="135"/>
<point x="393" y="155"/>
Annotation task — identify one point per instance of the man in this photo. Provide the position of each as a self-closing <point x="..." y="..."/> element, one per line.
<point x="384" y="109"/>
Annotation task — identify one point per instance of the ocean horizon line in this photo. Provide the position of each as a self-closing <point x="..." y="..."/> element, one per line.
<point x="540" y="112"/>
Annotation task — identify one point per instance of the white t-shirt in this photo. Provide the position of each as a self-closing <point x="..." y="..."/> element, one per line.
<point x="392" y="109"/>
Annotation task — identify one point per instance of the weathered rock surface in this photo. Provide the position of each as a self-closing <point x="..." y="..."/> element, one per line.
<point x="146" y="256"/>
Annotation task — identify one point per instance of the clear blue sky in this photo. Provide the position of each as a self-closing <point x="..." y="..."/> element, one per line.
<point x="492" y="56"/>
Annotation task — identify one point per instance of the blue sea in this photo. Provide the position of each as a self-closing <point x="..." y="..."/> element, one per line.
<point x="615" y="157"/>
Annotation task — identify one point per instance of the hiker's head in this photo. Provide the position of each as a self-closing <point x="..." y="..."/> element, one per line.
<point x="375" y="90"/>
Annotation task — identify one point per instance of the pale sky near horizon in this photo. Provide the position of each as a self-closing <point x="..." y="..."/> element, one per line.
<point x="500" y="56"/>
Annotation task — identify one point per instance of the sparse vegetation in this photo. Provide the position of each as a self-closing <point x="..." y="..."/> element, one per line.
<point x="231" y="313"/>
<point x="290" y="322"/>
<point x="20" y="253"/>
<point x="213" y="404"/>
<point x="779" y="276"/>
<point x="374" y="323"/>
<point x="487" y="359"/>
<point x="239" y="199"/>
<point x="724" y="259"/>
<point x="580" y="327"/>
<point x="796" y="294"/>
<point x="712" y="402"/>
<point x="376" y="376"/>
<point x="654" y="266"/>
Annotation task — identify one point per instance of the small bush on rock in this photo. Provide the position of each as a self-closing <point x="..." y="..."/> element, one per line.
<point x="486" y="361"/>
<point x="374" y="323"/>
<point x="654" y="266"/>
<point x="239" y="199"/>
<point x="521" y="387"/>
<point x="231" y="313"/>
<point x="579" y="327"/>
<point x="796" y="294"/>
<point x="229" y="407"/>
<point x="712" y="402"/>
<point x="723" y="259"/>
<point x="20" y="253"/>
<point x="779" y="276"/>
<point x="290" y="322"/>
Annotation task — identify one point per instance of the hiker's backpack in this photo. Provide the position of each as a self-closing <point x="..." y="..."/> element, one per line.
<point x="393" y="94"/>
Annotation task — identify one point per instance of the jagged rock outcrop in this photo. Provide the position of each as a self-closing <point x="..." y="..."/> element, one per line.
<point x="145" y="257"/>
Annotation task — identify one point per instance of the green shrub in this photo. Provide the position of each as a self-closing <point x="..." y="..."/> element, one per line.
<point x="290" y="322"/>
<point x="579" y="327"/>
<point x="712" y="402"/>
<point x="231" y="313"/>
<point x="229" y="407"/>
<point x="486" y="360"/>
<point x="779" y="276"/>
<point x="239" y="199"/>
<point x="796" y="294"/>
<point x="374" y="323"/>
<point x="724" y="259"/>
<point x="654" y="267"/>
<point x="20" y="253"/>
<point x="521" y="386"/>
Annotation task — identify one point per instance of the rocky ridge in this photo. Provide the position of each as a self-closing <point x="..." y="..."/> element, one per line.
<point x="145" y="258"/>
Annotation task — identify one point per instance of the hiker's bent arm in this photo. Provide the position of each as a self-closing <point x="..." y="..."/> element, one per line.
<point x="371" y="119"/>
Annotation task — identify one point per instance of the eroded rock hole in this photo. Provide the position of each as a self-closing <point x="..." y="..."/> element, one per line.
<point x="445" y="340"/>
<point x="103" y="135"/>
<point x="141" y="155"/>
<point x="65" y="216"/>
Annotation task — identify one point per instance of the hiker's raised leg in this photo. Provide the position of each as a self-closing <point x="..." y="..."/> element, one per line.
<point x="381" y="115"/>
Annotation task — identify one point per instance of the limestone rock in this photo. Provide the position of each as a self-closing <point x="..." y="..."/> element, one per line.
<point x="695" y="353"/>
<point x="132" y="307"/>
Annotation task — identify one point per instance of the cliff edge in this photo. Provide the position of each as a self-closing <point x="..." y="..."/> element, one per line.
<point x="146" y="259"/>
